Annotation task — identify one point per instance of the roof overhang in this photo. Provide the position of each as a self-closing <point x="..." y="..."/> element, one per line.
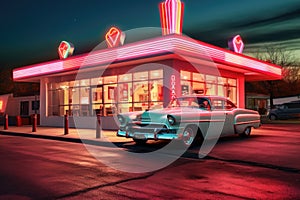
<point x="151" y="50"/>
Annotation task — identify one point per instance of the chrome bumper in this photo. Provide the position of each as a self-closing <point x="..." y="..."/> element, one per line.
<point x="148" y="136"/>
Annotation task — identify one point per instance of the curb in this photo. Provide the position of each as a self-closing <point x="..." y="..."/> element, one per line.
<point x="57" y="138"/>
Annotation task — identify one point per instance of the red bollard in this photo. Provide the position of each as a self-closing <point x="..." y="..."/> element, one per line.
<point x="66" y="125"/>
<point x="34" y="122"/>
<point x="5" y="121"/>
<point x="18" y="120"/>
<point x="98" y="126"/>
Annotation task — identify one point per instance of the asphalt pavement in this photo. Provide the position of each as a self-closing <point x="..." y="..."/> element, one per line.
<point x="264" y="166"/>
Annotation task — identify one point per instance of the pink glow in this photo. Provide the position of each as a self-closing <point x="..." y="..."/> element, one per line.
<point x="173" y="44"/>
<point x="173" y="87"/>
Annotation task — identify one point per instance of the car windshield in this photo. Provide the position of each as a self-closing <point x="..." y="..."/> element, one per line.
<point x="194" y="102"/>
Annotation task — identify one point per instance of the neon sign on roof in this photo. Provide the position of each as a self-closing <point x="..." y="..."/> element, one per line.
<point x="65" y="49"/>
<point x="171" y="16"/>
<point x="114" y="37"/>
<point x="236" y="44"/>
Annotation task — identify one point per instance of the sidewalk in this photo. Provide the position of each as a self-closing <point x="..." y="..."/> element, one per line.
<point x="57" y="133"/>
<point x="87" y="135"/>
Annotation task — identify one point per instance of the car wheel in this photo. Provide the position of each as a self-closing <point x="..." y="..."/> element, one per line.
<point x="246" y="132"/>
<point x="189" y="135"/>
<point x="273" y="117"/>
<point x="139" y="141"/>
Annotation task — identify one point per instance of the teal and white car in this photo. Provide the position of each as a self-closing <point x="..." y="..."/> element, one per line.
<point x="187" y="118"/>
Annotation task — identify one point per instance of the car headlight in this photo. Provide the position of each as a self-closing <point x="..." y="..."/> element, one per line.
<point x="171" y="120"/>
<point x="121" y="119"/>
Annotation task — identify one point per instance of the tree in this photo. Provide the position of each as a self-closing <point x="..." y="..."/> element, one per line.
<point x="278" y="55"/>
<point x="7" y="85"/>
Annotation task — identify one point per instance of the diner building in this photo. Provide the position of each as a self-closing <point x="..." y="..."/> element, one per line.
<point x="141" y="75"/>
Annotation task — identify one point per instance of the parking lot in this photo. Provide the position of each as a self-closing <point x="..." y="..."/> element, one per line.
<point x="264" y="166"/>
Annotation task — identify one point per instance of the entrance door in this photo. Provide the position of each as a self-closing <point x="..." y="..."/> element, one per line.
<point x="24" y="108"/>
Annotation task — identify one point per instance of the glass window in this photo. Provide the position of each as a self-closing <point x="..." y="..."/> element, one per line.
<point x="156" y="90"/>
<point x="76" y="83"/>
<point x="110" y="79"/>
<point x="63" y="85"/>
<point x="232" y="94"/>
<point x="97" y="81"/>
<point x="211" y="89"/>
<point x="221" y="91"/>
<point x="110" y="109"/>
<point x="106" y="95"/>
<point x="198" y="88"/>
<point x="125" y="92"/>
<point x="222" y="80"/>
<point x="185" y="75"/>
<point x="75" y="94"/>
<point x="110" y="93"/>
<point x="84" y="95"/>
<point x="125" y="78"/>
<point x="186" y="87"/>
<point x="140" y="106"/>
<point x="211" y="79"/>
<point x="232" y="82"/>
<point x="97" y="95"/>
<point x="124" y="107"/>
<point x="218" y="104"/>
<point x="85" y="82"/>
<point x="156" y="74"/>
<point x="140" y="91"/>
<point x="198" y="77"/>
<point x="140" y="76"/>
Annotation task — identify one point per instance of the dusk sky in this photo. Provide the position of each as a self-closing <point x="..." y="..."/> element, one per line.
<point x="32" y="30"/>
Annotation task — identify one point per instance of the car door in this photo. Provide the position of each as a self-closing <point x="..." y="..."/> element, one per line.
<point x="227" y="108"/>
<point x="223" y="115"/>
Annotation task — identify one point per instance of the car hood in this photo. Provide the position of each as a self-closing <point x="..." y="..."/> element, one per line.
<point x="173" y="110"/>
<point x="160" y="115"/>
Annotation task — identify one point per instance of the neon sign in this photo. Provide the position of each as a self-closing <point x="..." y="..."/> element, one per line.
<point x="114" y="37"/>
<point x="65" y="49"/>
<point x="173" y="87"/>
<point x="171" y="16"/>
<point x="236" y="44"/>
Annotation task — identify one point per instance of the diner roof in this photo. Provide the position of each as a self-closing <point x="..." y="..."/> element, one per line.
<point x="151" y="50"/>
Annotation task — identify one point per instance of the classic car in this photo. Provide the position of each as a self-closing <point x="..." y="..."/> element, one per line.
<point x="288" y="110"/>
<point x="187" y="118"/>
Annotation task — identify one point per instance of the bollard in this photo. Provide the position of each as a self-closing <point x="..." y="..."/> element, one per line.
<point x="98" y="126"/>
<point x="18" y="120"/>
<point x="6" y="122"/>
<point x="66" y="125"/>
<point x="34" y="122"/>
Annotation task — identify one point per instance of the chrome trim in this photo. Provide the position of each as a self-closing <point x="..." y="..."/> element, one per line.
<point x="206" y="120"/>
<point x="248" y="122"/>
